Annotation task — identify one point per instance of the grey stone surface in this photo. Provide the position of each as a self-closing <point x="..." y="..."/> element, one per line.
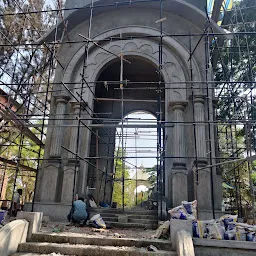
<point x="56" y="211"/>
<point x="185" y="245"/>
<point x="34" y="219"/>
<point x="176" y="226"/>
<point x="88" y="250"/>
<point x="55" y="181"/>
<point x="221" y="247"/>
<point x="11" y="235"/>
<point x="123" y="218"/>
<point x="82" y="239"/>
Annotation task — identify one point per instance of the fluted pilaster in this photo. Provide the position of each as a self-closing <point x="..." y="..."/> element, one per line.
<point x="74" y="130"/>
<point x="199" y="107"/>
<point x="179" y="169"/>
<point x="179" y="149"/>
<point x="57" y="136"/>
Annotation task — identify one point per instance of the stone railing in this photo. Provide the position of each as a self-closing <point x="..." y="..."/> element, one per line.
<point x="184" y="244"/>
<point x="206" y="247"/>
<point x="181" y="237"/>
<point x="11" y="235"/>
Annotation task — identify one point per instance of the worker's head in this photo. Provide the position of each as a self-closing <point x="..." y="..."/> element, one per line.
<point x="81" y="198"/>
<point x="19" y="191"/>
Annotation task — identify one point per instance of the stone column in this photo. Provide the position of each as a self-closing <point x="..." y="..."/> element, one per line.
<point x="179" y="169"/>
<point x="75" y="168"/>
<point x="57" y="136"/>
<point x="74" y="130"/>
<point x="204" y="177"/>
<point x="199" y="109"/>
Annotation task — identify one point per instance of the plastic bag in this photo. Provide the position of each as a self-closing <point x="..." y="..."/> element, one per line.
<point x="226" y="219"/>
<point x="240" y="235"/>
<point x="230" y="235"/>
<point x="216" y="231"/>
<point x="250" y="237"/>
<point x="178" y="212"/>
<point x="98" y="221"/>
<point x="190" y="208"/>
<point x="201" y="228"/>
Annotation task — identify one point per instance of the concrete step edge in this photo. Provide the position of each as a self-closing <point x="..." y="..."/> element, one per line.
<point x="37" y="254"/>
<point x="128" y="212"/>
<point x="111" y="241"/>
<point x="86" y="250"/>
<point x="133" y="225"/>
<point x="130" y="216"/>
<point x="130" y="220"/>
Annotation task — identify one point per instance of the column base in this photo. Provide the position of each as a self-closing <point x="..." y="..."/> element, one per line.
<point x="179" y="185"/>
<point x="204" y="197"/>
<point x="68" y="183"/>
<point x="49" y="180"/>
<point x="56" y="211"/>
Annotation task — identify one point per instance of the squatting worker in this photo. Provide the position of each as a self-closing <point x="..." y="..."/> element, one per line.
<point x="78" y="212"/>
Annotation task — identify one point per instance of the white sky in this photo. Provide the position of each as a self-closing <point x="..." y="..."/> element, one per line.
<point x="146" y="138"/>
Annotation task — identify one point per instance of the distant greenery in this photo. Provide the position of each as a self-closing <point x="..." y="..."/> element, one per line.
<point x="129" y="185"/>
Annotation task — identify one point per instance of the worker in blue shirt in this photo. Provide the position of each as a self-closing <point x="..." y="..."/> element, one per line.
<point x="78" y="212"/>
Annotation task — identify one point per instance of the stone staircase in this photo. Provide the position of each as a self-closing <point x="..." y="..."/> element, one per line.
<point x="129" y="218"/>
<point x="82" y="245"/>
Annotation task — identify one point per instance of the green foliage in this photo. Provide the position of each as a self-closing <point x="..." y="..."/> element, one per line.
<point x="152" y="172"/>
<point x="236" y="63"/>
<point x="23" y="72"/>
<point x="129" y="185"/>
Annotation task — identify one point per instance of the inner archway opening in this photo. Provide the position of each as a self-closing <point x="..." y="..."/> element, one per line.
<point x="114" y="108"/>
<point x="135" y="159"/>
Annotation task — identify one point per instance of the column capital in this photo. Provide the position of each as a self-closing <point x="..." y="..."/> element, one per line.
<point x="179" y="170"/>
<point x="62" y="99"/>
<point x="178" y="104"/>
<point x="199" y="99"/>
<point x="76" y="105"/>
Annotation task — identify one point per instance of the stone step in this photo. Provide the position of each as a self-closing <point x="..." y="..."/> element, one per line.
<point x="87" y="250"/>
<point x="38" y="254"/>
<point x="84" y="239"/>
<point x="132" y="225"/>
<point x="144" y="221"/>
<point x="130" y="220"/>
<point x="148" y="217"/>
<point x="126" y="212"/>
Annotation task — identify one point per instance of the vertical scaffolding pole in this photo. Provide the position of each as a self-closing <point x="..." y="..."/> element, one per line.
<point x="159" y="117"/>
<point x="209" y="96"/>
<point x="122" y="124"/>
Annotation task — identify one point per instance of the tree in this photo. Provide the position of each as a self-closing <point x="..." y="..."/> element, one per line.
<point x="129" y="185"/>
<point x="237" y="64"/>
<point x="152" y="172"/>
<point x="24" y="77"/>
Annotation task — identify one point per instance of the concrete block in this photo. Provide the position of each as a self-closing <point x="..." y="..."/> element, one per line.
<point x="11" y="235"/>
<point x="123" y="218"/>
<point x="178" y="225"/>
<point x="212" y="247"/>
<point x="34" y="219"/>
<point x="185" y="245"/>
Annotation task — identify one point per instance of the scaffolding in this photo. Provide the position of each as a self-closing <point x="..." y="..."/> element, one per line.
<point x="27" y="70"/>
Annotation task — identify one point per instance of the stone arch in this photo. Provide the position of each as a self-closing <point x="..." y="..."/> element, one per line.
<point x="175" y="56"/>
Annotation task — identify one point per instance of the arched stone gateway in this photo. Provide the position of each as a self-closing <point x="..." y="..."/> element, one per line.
<point x="56" y="177"/>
